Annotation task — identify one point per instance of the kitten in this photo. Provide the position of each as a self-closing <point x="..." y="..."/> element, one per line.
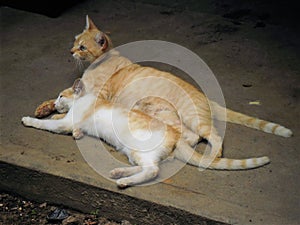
<point x="98" y="117"/>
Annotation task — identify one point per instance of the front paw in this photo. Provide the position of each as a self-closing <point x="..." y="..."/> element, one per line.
<point x="45" y="109"/>
<point x="77" y="134"/>
<point x="27" y="121"/>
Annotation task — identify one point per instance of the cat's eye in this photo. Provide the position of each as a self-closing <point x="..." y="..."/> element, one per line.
<point x="82" y="48"/>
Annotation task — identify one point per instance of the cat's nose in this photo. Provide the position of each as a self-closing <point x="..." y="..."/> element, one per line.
<point x="72" y="50"/>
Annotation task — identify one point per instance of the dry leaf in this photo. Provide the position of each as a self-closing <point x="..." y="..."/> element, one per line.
<point x="257" y="102"/>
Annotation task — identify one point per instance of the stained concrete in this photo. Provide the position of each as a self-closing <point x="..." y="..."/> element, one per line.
<point x="36" y="65"/>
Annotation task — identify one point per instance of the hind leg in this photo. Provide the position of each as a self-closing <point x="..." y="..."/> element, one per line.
<point x="210" y="134"/>
<point x="147" y="173"/>
<point x="198" y="117"/>
<point x="189" y="136"/>
<point x="125" y="171"/>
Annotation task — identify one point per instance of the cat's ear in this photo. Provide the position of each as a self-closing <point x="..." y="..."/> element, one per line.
<point x="89" y="24"/>
<point x="78" y="87"/>
<point x="100" y="38"/>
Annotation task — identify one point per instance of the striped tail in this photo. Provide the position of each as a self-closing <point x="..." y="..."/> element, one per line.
<point x="248" y="121"/>
<point x="186" y="154"/>
<point x="238" y="164"/>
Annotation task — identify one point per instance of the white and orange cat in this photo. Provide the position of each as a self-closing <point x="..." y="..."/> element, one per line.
<point x="128" y="131"/>
<point x="118" y="80"/>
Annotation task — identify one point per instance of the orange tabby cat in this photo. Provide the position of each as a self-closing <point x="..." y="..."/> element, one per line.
<point x="118" y="80"/>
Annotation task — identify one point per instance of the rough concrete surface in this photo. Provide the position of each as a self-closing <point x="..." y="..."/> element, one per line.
<point x="251" y="62"/>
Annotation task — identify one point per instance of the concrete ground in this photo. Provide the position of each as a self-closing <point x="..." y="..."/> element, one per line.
<point x="253" y="60"/>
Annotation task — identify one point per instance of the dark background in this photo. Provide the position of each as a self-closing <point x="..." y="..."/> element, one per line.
<point x="268" y="11"/>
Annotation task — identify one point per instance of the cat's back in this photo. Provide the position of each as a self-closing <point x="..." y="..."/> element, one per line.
<point x="105" y="66"/>
<point x="102" y="69"/>
<point x="147" y="78"/>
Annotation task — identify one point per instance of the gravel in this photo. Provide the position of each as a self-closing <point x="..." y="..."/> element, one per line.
<point x="15" y="210"/>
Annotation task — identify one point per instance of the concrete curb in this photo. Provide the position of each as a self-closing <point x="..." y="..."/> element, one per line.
<point x="43" y="187"/>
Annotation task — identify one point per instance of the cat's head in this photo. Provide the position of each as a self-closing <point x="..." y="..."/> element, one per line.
<point x="91" y="43"/>
<point x="66" y="98"/>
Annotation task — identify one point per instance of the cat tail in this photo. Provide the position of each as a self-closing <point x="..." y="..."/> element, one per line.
<point x="249" y="121"/>
<point x="187" y="154"/>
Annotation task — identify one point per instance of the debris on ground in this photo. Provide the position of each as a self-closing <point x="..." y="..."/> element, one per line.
<point x="257" y="102"/>
<point x="58" y="215"/>
<point x="17" y="210"/>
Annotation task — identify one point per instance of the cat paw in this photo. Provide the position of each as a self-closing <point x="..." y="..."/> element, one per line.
<point x="123" y="183"/>
<point x="45" y="109"/>
<point x="27" y="121"/>
<point x="116" y="173"/>
<point x="191" y="138"/>
<point x="192" y="141"/>
<point x="77" y="133"/>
